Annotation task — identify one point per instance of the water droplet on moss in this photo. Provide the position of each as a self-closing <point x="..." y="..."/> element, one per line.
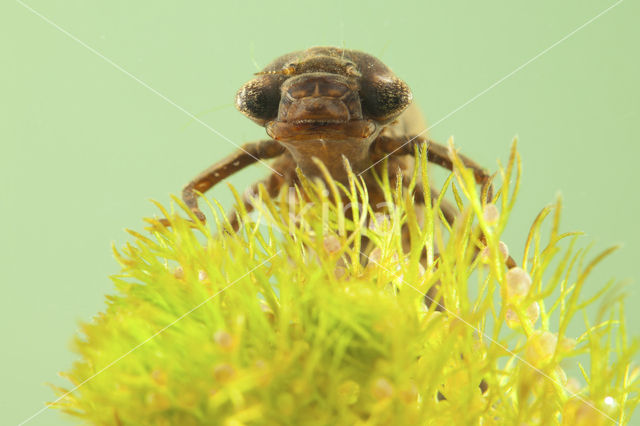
<point x="518" y="283"/>
<point x="331" y="244"/>
<point x="348" y="392"/>
<point x="540" y="347"/>
<point x="223" y="372"/>
<point x="223" y="339"/>
<point x="382" y="389"/>
<point x="491" y="213"/>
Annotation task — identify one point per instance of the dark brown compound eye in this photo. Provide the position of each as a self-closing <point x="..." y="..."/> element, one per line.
<point x="259" y="98"/>
<point x="384" y="97"/>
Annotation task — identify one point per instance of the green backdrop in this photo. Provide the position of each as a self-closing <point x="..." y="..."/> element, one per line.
<point x="93" y="100"/>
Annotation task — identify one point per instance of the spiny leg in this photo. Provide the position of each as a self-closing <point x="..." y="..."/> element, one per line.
<point x="448" y="210"/>
<point x="437" y="154"/>
<point x="247" y="155"/>
<point x="450" y="213"/>
<point x="432" y="295"/>
<point x="272" y="184"/>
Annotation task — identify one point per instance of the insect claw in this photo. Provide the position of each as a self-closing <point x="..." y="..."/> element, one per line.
<point x="201" y="217"/>
<point x="165" y="222"/>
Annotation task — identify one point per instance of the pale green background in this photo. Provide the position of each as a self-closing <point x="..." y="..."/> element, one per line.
<point x="84" y="146"/>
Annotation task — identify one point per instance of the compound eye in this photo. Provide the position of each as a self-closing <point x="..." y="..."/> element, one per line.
<point x="384" y="98"/>
<point x="259" y="99"/>
<point x="290" y="68"/>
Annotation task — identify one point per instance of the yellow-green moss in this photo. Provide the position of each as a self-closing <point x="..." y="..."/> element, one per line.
<point x="284" y="323"/>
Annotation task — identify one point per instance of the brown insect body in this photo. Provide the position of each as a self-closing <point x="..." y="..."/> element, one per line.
<point x="331" y="103"/>
<point x="320" y="106"/>
<point x="328" y="103"/>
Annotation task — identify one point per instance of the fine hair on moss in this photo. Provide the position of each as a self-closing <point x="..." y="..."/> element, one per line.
<point x="313" y="313"/>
